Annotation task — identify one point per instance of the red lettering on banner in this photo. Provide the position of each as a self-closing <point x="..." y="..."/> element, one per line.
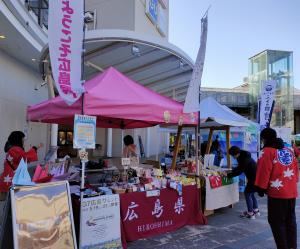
<point x="65" y="48"/>
<point x="64" y="65"/>
<point x="67" y="7"/>
<point x="66" y="40"/>
<point x="66" y="32"/>
<point x="66" y="21"/>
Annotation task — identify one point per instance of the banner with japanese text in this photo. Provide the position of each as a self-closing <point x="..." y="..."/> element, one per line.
<point x="267" y="101"/>
<point x="65" y="35"/>
<point x="144" y="216"/>
<point x="192" y="97"/>
<point x="100" y="222"/>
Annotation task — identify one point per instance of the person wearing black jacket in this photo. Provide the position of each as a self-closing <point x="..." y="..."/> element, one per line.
<point x="247" y="166"/>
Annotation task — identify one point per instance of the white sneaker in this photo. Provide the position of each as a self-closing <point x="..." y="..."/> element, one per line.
<point x="247" y="215"/>
<point x="256" y="213"/>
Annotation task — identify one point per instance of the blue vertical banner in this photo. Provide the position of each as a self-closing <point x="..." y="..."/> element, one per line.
<point x="267" y="101"/>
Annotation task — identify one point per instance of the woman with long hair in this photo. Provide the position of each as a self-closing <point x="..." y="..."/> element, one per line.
<point x="14" y="149"/>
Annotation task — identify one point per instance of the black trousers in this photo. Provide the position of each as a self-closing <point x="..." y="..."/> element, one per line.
<point x="282" y="219"/>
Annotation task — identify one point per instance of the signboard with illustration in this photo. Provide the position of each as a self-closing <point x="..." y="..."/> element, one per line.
<point x="42" y="216"/>
<point x="100" y="222"/>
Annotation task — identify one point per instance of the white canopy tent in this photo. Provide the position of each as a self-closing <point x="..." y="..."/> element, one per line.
<point x="215" y="116"/>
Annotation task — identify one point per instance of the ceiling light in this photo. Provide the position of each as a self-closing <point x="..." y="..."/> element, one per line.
<point x="2" y="36"/>
<point x="181" y="64"/>
<point x="135" y="50"/>
<point x="33" y="59"/>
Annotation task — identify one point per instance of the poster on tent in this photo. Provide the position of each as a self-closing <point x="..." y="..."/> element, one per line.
<point x="42" y="216"/>
<point x="100" y="224"/>
<point x="84" y="132"/>
<point x="267" y="101"/>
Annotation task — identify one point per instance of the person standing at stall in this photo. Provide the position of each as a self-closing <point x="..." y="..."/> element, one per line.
<point x="14" y="149"/>
<point x="217" y="151"/>
<point x="247" y="166"/>
<point x="277" y="176"/>
<point x="130" y="149"/>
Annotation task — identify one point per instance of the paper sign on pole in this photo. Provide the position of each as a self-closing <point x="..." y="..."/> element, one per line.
<point x="267" y="102"/>
<point x="84" y="132"/>
<point x="192" y="98"/>
<point x="65" y="34"/>
<point x="100" y="222"/>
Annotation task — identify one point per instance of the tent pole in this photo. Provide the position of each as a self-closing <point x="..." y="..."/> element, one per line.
<point x="197" y="151"/>
<point x="227" y="146"/>
<point x="209" y="142"/>
<point x="176" y="149"/>
<point x="82" y="113"/>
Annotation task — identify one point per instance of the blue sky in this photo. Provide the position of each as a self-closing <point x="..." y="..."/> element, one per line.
<point x="237" y="30"/>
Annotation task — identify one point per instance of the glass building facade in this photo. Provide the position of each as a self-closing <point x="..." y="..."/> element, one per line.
<point x="273" y="65"/>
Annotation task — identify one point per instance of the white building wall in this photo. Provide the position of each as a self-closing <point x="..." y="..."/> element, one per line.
<point x="101" y="138"/>
<point x="112" y="14"/>
<point x="17" y="83"/>
<point x="117" y="143"/>
<point x="158" y="141"/>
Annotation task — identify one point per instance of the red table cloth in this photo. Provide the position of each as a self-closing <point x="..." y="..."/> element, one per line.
<point x="143" y="216"/>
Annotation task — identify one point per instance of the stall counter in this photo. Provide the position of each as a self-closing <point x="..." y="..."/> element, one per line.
<point x="222" y="196"/>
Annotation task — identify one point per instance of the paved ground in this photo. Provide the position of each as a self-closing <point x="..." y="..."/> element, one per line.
<point x="225" y="230"/>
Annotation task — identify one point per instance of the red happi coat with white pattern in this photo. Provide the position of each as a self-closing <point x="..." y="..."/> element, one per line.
<point x="277" y="172"/>
<point x="11" y="163"/>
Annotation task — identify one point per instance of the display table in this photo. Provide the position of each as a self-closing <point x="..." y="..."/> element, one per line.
<point x="143" y="216"/>
<point x="222" y="196"/>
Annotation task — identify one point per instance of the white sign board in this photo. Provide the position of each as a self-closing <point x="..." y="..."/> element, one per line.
<point x="100" y="222"/>
<point x="84" y="132"/>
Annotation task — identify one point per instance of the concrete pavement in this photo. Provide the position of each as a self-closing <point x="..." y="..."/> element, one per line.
<point x="225" y="230"/>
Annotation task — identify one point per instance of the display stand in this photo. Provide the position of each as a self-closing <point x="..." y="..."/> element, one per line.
<point x="6" y="232"/>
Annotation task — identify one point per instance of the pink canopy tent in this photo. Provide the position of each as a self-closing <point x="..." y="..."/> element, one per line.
<point x="118" y="102"/>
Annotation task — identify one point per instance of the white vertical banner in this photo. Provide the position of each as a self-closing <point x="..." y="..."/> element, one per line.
<point x="267" y="101"/>
<point x="192" y="98"/>
<point x="65" y="35"/>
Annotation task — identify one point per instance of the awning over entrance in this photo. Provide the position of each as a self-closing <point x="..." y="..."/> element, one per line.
<point x="153" y="62"/>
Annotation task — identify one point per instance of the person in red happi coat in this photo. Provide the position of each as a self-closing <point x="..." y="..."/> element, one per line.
<point x="14" y="149"/>
<point x="277" y="176"/>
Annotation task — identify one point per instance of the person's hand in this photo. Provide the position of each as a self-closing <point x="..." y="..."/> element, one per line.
<point x="41" y="145"/>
